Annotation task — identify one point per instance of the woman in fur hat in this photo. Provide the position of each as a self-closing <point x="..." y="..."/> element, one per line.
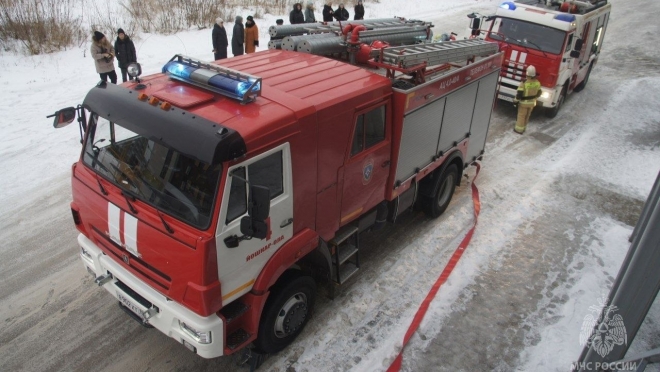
<point x="104" y="57"/>
<point x="238" y="37"/>
<point x="220" y="41"/>
<point x="251" y="35"/>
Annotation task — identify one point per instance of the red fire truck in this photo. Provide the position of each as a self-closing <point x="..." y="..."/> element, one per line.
<point x="562" y="40"/>
<point x="212" y="198"/>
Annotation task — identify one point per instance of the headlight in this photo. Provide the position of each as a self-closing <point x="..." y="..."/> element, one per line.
<point x="134" y="69"/>
<point x="201" y="337"/>
<point x="545" y="95"/>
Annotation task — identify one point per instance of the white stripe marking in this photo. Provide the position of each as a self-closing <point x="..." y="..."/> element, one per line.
<point x="130" y="234"/>
<point x="113" y="223"/>
<point x="523" y="57"/>
<point x="514" y="55"/>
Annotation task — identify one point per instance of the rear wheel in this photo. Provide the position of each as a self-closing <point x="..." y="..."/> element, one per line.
<point x="287" y="310"/>
<point x="551" y="112"/>
<point x="435" y="205"/>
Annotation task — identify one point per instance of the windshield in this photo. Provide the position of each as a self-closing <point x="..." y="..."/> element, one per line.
<point x="528" y="35"/>
<point x="155" y="174"/>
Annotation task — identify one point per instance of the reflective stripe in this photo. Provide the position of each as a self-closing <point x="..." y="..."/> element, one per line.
<point x="130" y="234"/>
<point x="113" y="223"/>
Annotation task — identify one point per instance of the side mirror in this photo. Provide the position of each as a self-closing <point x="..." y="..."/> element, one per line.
<point x="578" y="45"/>
<point x="253" y="228"/>
<point x="475" y="23"/>
<point x="63" y="117"/>
<point x="259" y="203"/>
<point x="575" y="54"/>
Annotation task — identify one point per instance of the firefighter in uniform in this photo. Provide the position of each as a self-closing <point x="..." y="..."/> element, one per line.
<point x="528" y="91"/>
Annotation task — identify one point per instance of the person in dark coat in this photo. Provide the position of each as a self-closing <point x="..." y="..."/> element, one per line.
<point x="296" y="16"/>
<point x="341" y="14"/>
<point x="359" y="11"/>
<point x="219" y="37"/>
<point x="125" y="53"/>
<point x="328" y="13"/>
<point x="238" y="37"/>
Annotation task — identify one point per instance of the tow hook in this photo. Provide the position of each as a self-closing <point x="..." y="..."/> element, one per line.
<point x="101" y="280"/>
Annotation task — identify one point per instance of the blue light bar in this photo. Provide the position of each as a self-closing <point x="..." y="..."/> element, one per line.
<point x="565" y="17"/>
<point x="222" y="80"/>
<point x="508" y="5"/>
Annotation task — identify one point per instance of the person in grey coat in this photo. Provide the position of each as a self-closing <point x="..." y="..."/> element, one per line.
<point x="238" y="37"/>
<point x="104" y="57"/>
<point x="309" y="13"/>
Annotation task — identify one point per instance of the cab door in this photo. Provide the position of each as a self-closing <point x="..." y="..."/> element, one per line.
<point x="238" y="267"/>
<point x="367" y="164"/>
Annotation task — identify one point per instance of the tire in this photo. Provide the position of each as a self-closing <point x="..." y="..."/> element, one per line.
<point x="584" y="82"/>
<point x="435" y="205"/>
<point x="285" y="314"/>
<point x="551" y="112"/>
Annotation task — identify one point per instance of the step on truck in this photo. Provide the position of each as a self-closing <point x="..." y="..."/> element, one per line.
<point x="562" y="39"/>
<point x="213" y="199"/>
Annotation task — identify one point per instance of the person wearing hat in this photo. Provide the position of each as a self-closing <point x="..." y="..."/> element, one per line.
<point x="279" y="21"/>
<point x="341" y="14"/>
<point x="328" y="13"/>
<point x="309" y="13"/>
<point x="125" y="52"/>
<point x="251" y="35"/>
<point x="219" y="37"/>
<point x="528" y="91"/>
<point x="238" y="37"/>
<point x="104" y="57"/>
<point x="359" y="11"/>
<point x="296" y="16"/>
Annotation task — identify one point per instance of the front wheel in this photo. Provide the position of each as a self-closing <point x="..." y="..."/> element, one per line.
<point x="435" y="205"/>
<point x="584" y="82"/>
<point x="287" y="310"/>
<point x="551" y="112"/>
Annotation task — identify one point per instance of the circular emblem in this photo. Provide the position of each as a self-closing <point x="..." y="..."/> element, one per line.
<point x="367" y="171"/>
<point x="125" y="258"/>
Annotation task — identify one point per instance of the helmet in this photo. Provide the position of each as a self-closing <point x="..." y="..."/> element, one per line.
<point x="531" y="71"/>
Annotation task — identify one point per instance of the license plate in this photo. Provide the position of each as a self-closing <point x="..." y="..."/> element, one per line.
<point x="131" y="306"/>
<point x="505" y="98"/>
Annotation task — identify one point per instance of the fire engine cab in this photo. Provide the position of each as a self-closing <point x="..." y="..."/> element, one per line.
<point x="562" y="39"/>
<point x="212" y="198"/>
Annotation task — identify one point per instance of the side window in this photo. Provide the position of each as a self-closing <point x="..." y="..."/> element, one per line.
<point x="264" y="172"/>
<point x="237" y="205"/>
<point x="596" y="44"/>
<point x="369" y="130"/>
<point x="268" y="172"/>
<point x="569" y="44"/>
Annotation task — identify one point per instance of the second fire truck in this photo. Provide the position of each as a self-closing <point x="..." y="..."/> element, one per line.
<point x="562" y="39"/>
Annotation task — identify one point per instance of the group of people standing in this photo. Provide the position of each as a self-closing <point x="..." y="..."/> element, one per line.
<point x="104" y="55"/>
<point x="244" y="39"/>
<point x="297" y="15"/>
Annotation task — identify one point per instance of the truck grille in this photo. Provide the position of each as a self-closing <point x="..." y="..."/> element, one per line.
<point x="145" y="270"/>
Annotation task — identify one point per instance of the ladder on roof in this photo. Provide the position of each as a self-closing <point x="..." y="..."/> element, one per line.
<point x="436" y="53"/>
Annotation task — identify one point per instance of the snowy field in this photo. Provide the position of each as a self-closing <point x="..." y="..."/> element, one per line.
<point x="558" y="206"/>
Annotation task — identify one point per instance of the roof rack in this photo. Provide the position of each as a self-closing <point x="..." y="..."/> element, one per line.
<point x="216" y="78"/>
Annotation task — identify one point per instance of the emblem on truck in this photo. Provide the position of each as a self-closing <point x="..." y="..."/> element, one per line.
<point x="367" y="171"/>
<point x="125" y="258"/>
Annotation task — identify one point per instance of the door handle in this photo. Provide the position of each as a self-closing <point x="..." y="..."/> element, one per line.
<point x="286" y="223"/>
<point x="385" y="164"/>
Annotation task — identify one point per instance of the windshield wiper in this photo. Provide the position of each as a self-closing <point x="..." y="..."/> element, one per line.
<point x="167" y="227"/>
<point x="105" y="193"/>
<point x="534" y="44"/>
<point x="129" y="196"/>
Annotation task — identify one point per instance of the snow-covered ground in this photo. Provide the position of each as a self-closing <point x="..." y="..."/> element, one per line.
<point x="558" y="205"/>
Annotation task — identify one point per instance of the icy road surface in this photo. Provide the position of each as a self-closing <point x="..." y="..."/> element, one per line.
<point x="558" y="205"/>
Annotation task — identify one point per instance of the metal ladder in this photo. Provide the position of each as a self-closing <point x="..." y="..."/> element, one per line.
<point x="437" y="53"/>
<point x="344" y="249"/>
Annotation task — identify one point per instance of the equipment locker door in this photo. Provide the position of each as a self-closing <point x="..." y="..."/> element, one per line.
<point x="368" y="163"/>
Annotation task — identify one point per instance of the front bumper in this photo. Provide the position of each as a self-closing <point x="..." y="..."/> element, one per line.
<point x="163" y="314"/>
<point x="508" y="87"/>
